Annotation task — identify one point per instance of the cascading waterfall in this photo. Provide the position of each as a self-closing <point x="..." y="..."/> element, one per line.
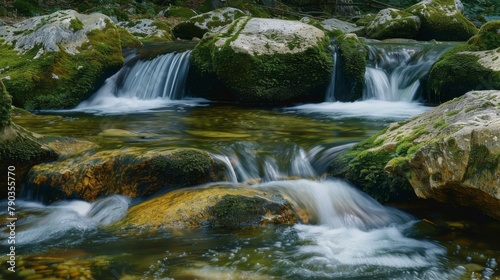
<point x="330" y="91"/>
<point x="143" y="84"/>
<point x="395" y="71"/>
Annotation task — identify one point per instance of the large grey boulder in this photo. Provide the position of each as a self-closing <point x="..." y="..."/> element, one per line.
<point x="450" y="154"/>
<point x="263" y="61"/>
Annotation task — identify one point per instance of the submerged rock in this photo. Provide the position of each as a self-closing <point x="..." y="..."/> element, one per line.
<point x="55" y="61"/>
<point x="131" y="172"/>
<point x="442" y="20"/>
<point x="471" y="66"/>
<point x="393" y="23"/>
<point x="262" y="61"/>
<point x="450" y="154"/>
<point x="214" y="206"/>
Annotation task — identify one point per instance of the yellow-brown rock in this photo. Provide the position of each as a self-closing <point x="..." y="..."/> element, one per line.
<point x="213" y="206"/>
<point x="133" y="172"/>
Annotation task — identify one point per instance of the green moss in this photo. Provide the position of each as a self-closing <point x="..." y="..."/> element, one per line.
<point x="5" y="106"/>
<point x="3" y="12"/>
<point x="440" y="124"/>
<point x="452" y="113"/>
<point x="265" y="78"/>
<point x="75" y="24"/>
<point x="27" y="7"/>
<point x="181" y="12"/>
<point x="185" y="167"/>
<point x="353" y="66"/>
<point x="456" y="73"/>
<point x="365" y="20"/>
<point x="487" y="38"/>
<point x="33" y="85"/>
<point x="439" y="25"/>
<point x="128" y="40"/>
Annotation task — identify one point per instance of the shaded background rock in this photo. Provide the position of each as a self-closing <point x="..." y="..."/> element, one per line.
<point x="474" y="65"/>
<point x="393" y="23"/>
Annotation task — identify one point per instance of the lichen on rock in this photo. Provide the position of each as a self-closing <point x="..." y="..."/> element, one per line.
<point x="450" y="154"/>
<point x="393" y="23"/>
<point x="133" y="172"/>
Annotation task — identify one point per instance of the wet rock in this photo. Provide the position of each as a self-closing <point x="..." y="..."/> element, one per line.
<point x="132" y="172"/>
<point x="80" y="50"/>
<point x="214" y="20"/>
<point x="259" y="61"/>
<point x="214" y="206"/>
<point x="393" y="23"/>
<point x="475" y="65"/>
<point x="450" y="154"/>
<point x="19" y="149"/>
<point x="442" y="20"/>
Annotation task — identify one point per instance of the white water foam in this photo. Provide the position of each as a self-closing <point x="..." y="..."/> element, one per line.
<point x="371" y="109"/>
<point x="62" y="219"/>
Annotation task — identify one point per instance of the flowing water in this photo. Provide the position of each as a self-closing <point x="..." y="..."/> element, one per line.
<point x="347" y="234"/>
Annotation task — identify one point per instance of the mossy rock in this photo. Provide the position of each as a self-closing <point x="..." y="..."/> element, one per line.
<point x="352" y="57"/>
<point x="450" y="153"/>
<point x="393" y="23"/>
<point x="200" y="24"/>
<point x="463" y="68"/>
<point x="148" y="30"/>
<point x="5" y="105"/>
<point x="44" y="71"/>
<point x="442" y="20"/>
<point x="213" y="206"/>
<point x="262" y="61"/>
<point x="178" y="12"/>
<point x="20" y="150"/>
<point x="130" y="172"/>
<point x="488" y="37"/>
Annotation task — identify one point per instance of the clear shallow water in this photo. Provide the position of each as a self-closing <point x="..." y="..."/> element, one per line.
<point x="405" y="247"/>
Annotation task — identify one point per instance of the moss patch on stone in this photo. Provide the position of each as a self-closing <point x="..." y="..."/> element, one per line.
<point x="488" y="37"/>
<point x="5" y="106"/>
<point x="353" y="55"/>
<point x="58" y="80"/>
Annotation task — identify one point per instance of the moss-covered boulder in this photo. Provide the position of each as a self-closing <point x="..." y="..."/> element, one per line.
<point x="56" y="61"/>
<point x="198" y="25"/>
<point x="338" y="27"/>
<point x="471" y="66"/>
<point x="352" y="63"/>
<point x="148" y="30"/>
<point x="442" y="20"/>
<point x="262" y="61"/>
<point x="393" y="23"/>
<point x="450" y="154"/>
<point x="19" y="149"/>
<point x="214" y="206"/>
<point x="131" y="172"/>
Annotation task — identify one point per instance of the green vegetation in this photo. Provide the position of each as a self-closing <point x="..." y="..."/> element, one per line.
<point x="75" y="24"/>
<point x="59" y="80"/>
<point x="353" y="55"/>
<point x="5" y="106"/>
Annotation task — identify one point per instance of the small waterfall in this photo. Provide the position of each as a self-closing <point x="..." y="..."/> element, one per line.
<point x="330" y="91"/>
<point x="143" y="83"/>
<point x="246" y="163"/>
<point x="395" y="71"/>
<point x="336" y="204"/>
